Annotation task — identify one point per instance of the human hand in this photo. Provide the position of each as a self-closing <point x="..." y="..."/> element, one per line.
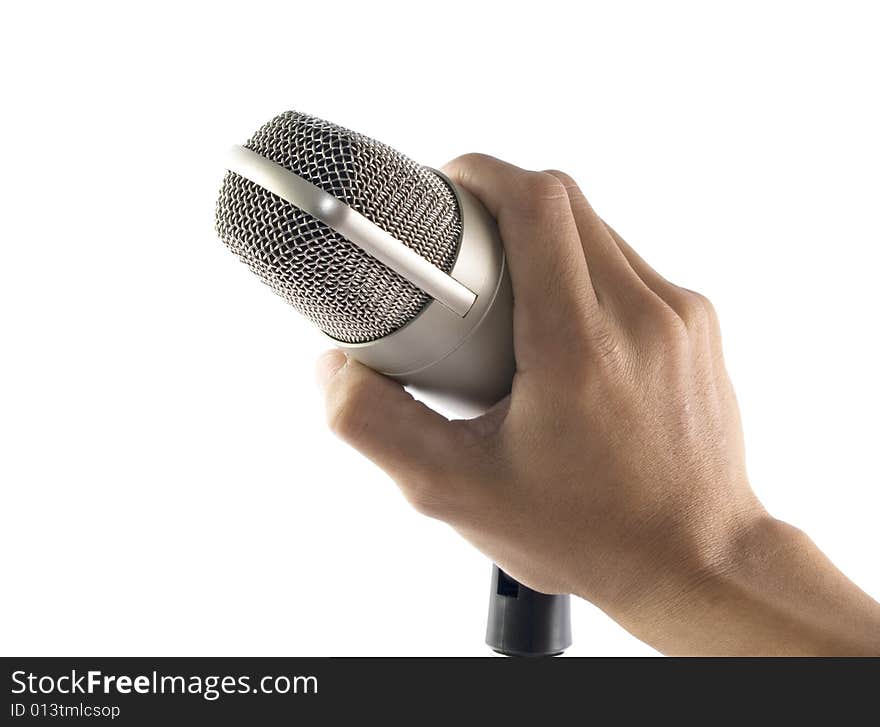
<point x="615" y="469"/>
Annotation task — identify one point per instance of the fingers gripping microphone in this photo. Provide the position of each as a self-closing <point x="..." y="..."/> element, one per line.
<point x="402" y="270"/>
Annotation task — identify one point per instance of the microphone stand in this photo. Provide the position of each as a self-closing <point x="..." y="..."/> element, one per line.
<point x="523" y="622"/>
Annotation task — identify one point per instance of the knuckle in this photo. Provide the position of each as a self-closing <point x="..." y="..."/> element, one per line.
<point x="466" y="160"/>
<point x="566" y="179"/>
<point x="708" y="306"/>
<point x="472" y="156"/>
<point x="652" y="318"/>
<point x="696" y="310"/>
<point x="668" y="324"/>
<point x="536" y="188"/>
<point x="464" y="167"/>
<point x="424" y="495"/>
<point x="674" y="328"/>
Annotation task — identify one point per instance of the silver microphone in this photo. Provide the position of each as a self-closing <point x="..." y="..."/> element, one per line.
<point x="400" y="268"/>
<point x="395" y="264"/>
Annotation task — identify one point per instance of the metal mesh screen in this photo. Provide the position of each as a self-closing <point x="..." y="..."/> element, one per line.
<point x="348" y="294"/>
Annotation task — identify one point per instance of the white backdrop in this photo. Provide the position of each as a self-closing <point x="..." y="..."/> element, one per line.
<point x="168" y="485"/>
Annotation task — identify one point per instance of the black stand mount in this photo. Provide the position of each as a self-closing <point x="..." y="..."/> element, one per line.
<point x="523" y="622"/>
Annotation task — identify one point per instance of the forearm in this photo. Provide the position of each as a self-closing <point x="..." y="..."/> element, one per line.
<point x="773" y="593"/>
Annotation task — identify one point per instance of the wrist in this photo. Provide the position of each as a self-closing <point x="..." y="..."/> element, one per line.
<point x="765" y="589"/>
<point x="664" y="572"/>
<point x="684" y="593"/>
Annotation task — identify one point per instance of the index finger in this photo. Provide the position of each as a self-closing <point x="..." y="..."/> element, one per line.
<point x="548" y="270"/>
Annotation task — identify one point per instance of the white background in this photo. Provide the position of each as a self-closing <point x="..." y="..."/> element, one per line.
<point x="168" y="485"/>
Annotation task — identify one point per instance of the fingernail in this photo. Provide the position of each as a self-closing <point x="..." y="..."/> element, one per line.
<point x="328" y="366"/>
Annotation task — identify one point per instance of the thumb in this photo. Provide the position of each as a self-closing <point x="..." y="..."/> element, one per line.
<point x="415" y="445"/>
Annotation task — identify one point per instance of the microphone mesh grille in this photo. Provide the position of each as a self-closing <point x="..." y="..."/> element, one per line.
<point x="350" y="295"/>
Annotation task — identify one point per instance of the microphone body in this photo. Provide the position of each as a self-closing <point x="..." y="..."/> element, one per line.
<point x="403" y="270"/>
<point x="463" y="363"/>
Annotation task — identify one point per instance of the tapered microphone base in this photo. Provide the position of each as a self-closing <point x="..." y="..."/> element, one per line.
<point x="523" y="622"/>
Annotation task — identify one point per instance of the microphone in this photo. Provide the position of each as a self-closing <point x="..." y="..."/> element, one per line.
<point x="401" y="269"/>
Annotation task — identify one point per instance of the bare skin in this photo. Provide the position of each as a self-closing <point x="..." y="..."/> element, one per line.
<point x="615" y="470"/>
